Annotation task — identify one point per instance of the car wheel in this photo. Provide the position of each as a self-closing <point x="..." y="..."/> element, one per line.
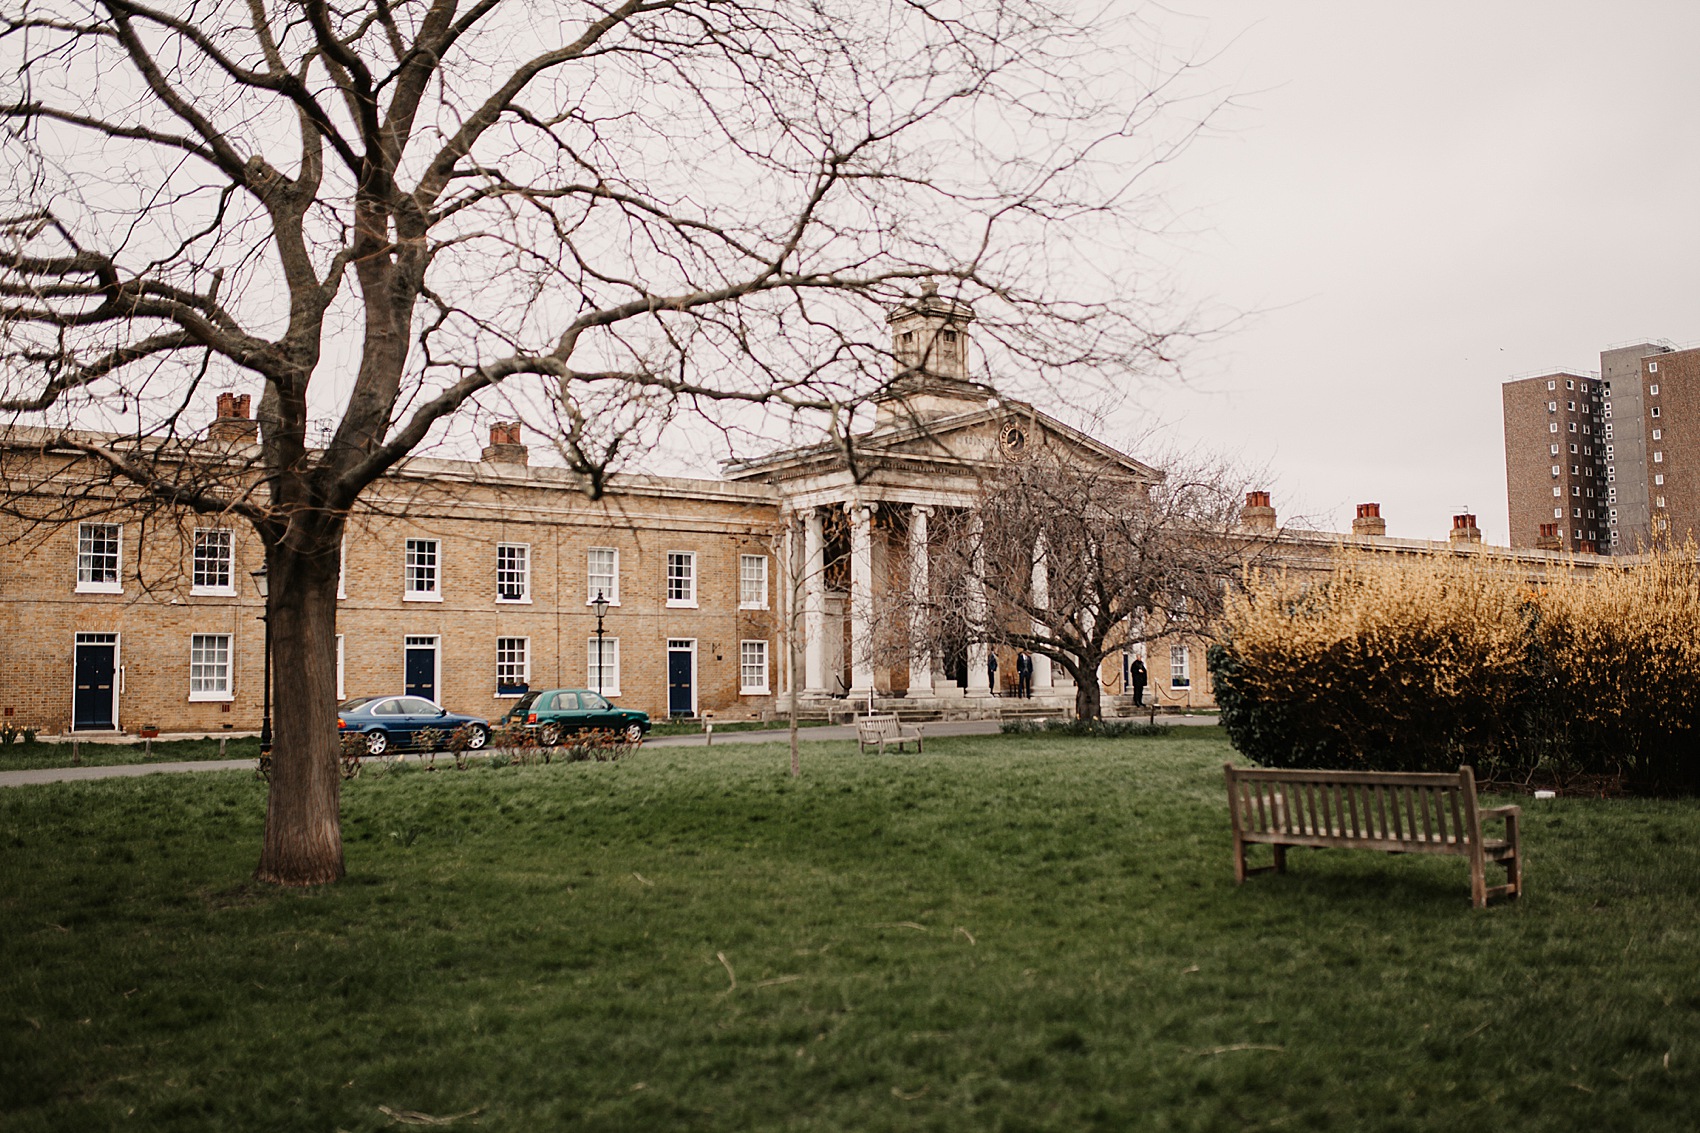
<point x="550" y="734"/>
<point x="479" y="737"/>
<point x="634" y="733"/>
<point x="377" y="742"/>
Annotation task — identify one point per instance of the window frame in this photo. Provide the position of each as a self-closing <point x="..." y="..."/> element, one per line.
<point x="204" y="590"/>
<point x="689" y="602"/>
<point x="1181" y="678"/>
<point x="744" y="601"/>
<point x="745" y="688"/>
<point x="524" y="598"/>
<point x="590" y="589"/>
<point x="92" y="586"/>
<point x="610" y="649"/>
<point x="522" y="686"/>
<point x="227" y="676"/>
<point x="408" y="593"/>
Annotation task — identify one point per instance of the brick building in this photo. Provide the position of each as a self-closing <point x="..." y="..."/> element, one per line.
<point x="1555" y="460"/>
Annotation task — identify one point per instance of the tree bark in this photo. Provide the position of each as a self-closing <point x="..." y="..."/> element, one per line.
<point x="1088" y="695"/>
<point x="303" y="835"/>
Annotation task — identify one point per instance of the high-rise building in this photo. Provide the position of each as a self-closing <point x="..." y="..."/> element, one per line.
<point x="1602" y="461"/>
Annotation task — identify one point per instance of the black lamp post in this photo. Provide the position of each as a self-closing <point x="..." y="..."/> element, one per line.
<point x="266" y="718"/>
<point x="600" y="605"/>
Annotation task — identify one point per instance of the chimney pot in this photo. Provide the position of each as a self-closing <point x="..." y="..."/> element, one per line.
<point x="1464" y="529"/>
<point x="1369" y="521"/>
<point x="1257" y="514"/>
<point x="505" y="446"/>
<point x="232" y="425"/>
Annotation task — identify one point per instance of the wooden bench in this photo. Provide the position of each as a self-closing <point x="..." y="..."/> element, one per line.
<point x="1396" y="813"/>
<point x="881" y="731"/>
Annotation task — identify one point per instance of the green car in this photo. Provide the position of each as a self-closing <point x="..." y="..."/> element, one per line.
<point x="555" y="712"/>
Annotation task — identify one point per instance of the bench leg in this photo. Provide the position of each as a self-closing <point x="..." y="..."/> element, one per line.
<point x="1513" y="864"/>
<point x="1239" y="862"/>
<point x="1280" y="858"/>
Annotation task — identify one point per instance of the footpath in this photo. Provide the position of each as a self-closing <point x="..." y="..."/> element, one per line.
<point x="779" y="735"/>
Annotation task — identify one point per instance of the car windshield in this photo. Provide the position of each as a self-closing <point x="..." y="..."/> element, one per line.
<point x="354" y="702"/>
<point x="524" y="703"/>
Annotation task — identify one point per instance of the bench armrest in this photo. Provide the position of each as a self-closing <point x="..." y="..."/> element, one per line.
<point x="1501" y="812"/>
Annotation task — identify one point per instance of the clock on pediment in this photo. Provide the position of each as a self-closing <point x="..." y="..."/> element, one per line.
<point x="1013" y="442"/>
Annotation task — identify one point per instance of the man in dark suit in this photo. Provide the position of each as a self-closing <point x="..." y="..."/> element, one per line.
<point x="1024" y="674"/>
<point x="1136" y="681"/>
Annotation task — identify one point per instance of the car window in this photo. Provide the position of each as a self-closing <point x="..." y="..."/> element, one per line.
<point x="593" y="702"/>
<point x="544" y="702"/>
<point x="524" y="703"/>
<point x="566" y="701"/>
<point x="354" y="702"/>
<point x="417" y="706"/>
<point x="387" y="708"/>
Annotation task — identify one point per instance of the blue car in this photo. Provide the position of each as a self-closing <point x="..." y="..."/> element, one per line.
<point x="394" y="721"/>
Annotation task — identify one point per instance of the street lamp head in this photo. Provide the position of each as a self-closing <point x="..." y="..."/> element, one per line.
<point x="600" y="605"/>
<point x="260" y="581"/>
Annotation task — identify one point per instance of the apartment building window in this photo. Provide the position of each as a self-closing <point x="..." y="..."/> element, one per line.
<point x="752" y="668"/>
<point x="603" y="672"/>
<point x="1575" y="513"/>
<point x="209" y="666"/>
<point x="1555" y="470"/>
<point x="1572" y="448"/>
<point x="421" y="574"/>
<point x="1584" y="387"/>
<point x="1552" y="426"/>
<point x="1660" y="503"/>
<point x="1576" y="470"/>
<point x="1614" y="515"/>
<point x="1552" y="407"/>
<point x="1576" y="489"/>
<point x="1658" y="479"/>
<point x="681" y="578"/>
<point x="1570" y="405"/>
<point x="1653" y="368"/>
<point x="1658" y="434"/>
<point x="98" y="547"/>
<point x="1180" y="673"/>
<point x="513" y="572"/>
<point x="1552" y="385"/>
<point x="513" y="665"/>
<point x="1554" y="450"/>
<point x="1658" y="458"/>
<point x="602" y="575"/>
<point x="1653" y="389"/>
<point x="1608" y="450"/>
<point x="211" y="573"/>
<point x="1655" y="411"/>
<point x="1572" y="426"/>
<point x="752" y="582"/>
<point x="1558" y="513"/>
<point x="1569" y="385"/>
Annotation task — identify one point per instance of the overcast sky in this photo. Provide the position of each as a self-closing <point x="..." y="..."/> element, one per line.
<point x="1424" y="200"/>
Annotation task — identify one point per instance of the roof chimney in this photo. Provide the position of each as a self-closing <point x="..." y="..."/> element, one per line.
<point x="1257" y="514"/>
<point x="232" y="425"/>
<point x="1548" y="539"/>
<point x="1464" y="529"/>
<point x="505" y="446"/>
<point x="1369" y="521"/>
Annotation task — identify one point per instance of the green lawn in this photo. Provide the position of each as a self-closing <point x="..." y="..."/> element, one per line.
<point x="20" y="756"/>
<point x="1007" y="933"/>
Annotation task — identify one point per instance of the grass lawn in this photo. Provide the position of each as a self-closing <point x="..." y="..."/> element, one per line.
<point x="1007" y="933"/>
<point x="26" y="757"/>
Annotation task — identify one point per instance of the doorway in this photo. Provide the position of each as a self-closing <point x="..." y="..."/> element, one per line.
<point x="421" y="669"/>
<point x="681" y="677"/>
<point x="94" y="705"/>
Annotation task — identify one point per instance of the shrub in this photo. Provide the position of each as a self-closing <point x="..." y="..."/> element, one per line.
<point x="1109" y="729"/>
<point x="1423" y="664"/>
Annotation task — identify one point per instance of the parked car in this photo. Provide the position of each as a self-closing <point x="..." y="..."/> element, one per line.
<point x="394" y="721"/>
<point x="555" y="712"/>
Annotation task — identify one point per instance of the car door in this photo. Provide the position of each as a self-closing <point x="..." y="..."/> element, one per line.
<point x="387" y="714"/>
<point x="566" y="712"/>
<point x="420" y="714"/>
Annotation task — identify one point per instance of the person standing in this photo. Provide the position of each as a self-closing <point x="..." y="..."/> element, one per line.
<point x="1136" y="679"/>
<point x="992" y="671"/>
<point x="1024" y="674"/>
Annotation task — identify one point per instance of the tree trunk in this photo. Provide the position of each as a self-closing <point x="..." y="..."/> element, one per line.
<point x="1088" y="696"/>
<point x="303" y="837"/>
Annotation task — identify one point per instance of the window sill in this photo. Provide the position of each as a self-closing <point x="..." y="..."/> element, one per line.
<point x="421" y="597"/>
<point x="609" y="692"/>
<point x="509" y="695"/>
<point x="212" y="591"/>
<point x="762" y="691"/>
<point x="612" y="602"/>
<point x="211" y="697"/>
<point x="681" y="604"/>
<point x="1180" y="687"/>
<point x="100" y="588"/>
<point x="751" y="606"/>
<point x="513" y="601"/>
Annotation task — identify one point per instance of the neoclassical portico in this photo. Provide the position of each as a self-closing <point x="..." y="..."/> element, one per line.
<point x="861" y="558"/>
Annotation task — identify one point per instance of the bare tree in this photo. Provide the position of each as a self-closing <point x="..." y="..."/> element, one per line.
<point x="1077" y="560"/>
<point x="383" y="210"/>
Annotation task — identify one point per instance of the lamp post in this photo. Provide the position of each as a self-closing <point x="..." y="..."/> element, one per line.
<point x="266" y="719"/>
<point x="600" y="605"/>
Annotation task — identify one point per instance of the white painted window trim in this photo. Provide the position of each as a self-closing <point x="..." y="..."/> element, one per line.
<point x="1181" y="678"/>
<point x="611" y="645"/>
<point x="229" y="589"/>
<point x="211" y="696"/>
<point x="342" y="576"/>
<point x="525" y="677"/>
<point x="689" y="603"/>
<point x="590" y="589"/>
<point x="116" y="586"/>
<point x="765" y="688"/>
<point x="436" y="593"/>
<point x="340" y="694"/>
<point x="761" y="604"/>
<point x="525" y="598"/>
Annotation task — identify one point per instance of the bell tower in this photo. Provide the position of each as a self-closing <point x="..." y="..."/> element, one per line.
<point x="929" y="341"/>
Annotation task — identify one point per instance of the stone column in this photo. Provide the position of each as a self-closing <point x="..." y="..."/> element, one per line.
<point x="861" y="599"/>
<point x="978" y="685"/>
<point x="1041" y="601"/>
<point x="814" y="604"/>
<point x="920" y="647"/>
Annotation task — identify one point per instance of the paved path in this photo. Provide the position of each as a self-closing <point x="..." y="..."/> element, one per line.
<point x="808" y="735"/>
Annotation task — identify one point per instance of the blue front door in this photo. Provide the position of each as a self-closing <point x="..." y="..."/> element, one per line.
<point x="92" y="707"/>
<point x="421" y="675"/>
<point x="681" y="672"/>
